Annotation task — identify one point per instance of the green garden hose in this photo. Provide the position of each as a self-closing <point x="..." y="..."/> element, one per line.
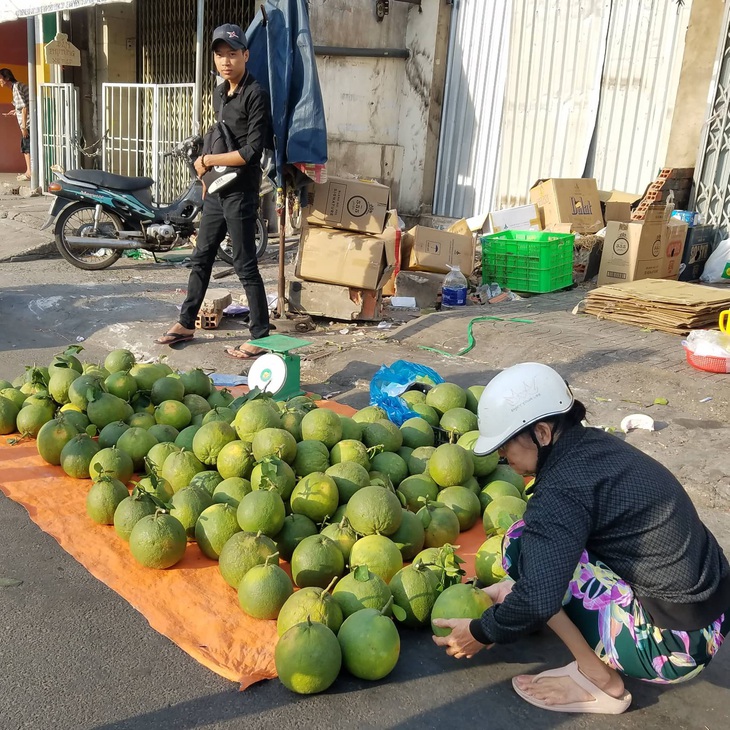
<point x="470" y="335"/>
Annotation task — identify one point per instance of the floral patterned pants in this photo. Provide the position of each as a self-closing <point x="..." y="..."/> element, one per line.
<point x="614" y="623"/>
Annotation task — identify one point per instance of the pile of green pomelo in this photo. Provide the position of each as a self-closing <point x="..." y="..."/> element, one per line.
<point x="367" y="514"/>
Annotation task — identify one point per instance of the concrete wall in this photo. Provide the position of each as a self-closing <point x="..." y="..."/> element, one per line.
<point x="383" y="113"/>
<point x="703" y="36"/>
<point x="116" y="47"/>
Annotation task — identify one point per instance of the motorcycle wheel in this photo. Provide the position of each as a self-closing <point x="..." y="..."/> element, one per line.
<point x="78" y="220"/>
<point x="225" y="252"/>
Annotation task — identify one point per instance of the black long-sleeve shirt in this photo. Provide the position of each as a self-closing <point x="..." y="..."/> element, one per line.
<point x="247" y="114"/>
<point x="599" y="493"/>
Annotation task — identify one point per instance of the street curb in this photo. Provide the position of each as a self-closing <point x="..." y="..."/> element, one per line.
<point x="39" y="251"/>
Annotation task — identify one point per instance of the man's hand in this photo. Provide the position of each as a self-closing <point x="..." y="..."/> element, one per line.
<point x="200" y="168"/>
<point x="459" y="644"/>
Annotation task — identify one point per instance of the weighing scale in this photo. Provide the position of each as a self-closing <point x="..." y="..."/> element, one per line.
<point x="278" y="372"/>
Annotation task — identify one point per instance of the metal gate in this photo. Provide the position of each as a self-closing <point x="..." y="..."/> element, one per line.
<point x="142" y="122"/>
<point x="58" y="122"/>
<point x="712" y="174"/>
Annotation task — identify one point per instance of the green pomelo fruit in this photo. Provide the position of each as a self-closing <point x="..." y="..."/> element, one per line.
<point x="505" y="473"/>
<point x="136" y="442"/>
<point x="382" y="433"/>
<point x="483" y="465"/>
<point x="405" y="453"/>
<point x="488" y="561"/>
<point x="130" y="511"/>
<point x="373" y="510"/>
<point x="410" y="536"/>
<point x="349" y="477"/>
<point x="322" y="424"/>
<point x="359" y="590"/>
<point x="291" y="421"/>
<point x="415" y="589"/>
<point x="379" y="479"/>
<point x="369" y="414"/>
<point x="180" y="468"/>
<point x="51" y="439"/>
<point x="196" y="382"/>
<point x="312" y="456"/>
<point x="106" y="409"/>
<point x="443" y="562"/>
<point x="146" y="374"/>
<point x="418" y="489"/>
<point x="157" y="487"/>
<point x="339" y="513"/>
<point x="450" y="465"/>
<point x="103" y="499"/>
<point x="473" y="394"/>
<point x="121" y="384"/>
<point x="60" y="382"/>
<point x="95" y="369"/>
<point x="501" y="513"/>
<point x="412" y="397"/>
<point x="495" y="489"/>
<point x="158" y="541"/>
<point x="264" y="590"/>
<point x="440" y="524"/>
<point x="351" y="429"/>
<point x="308" y="658"/>
<point x="315" y="496"/>
<point x="119" y="360"/>
<point x="141" y="403"/>
<point x="15" y="396"/>
<point x="187" y="505"/>
<point x="231" y="491"/>
<point x="472" y="485"/>
<point x="417" y="432"/>
<point x="163" y="433"/>
<point x="220" y="398"/>
<point x="458" y="421"/>
<point x="459" y="601"/>
<point x="255" y="416"/>
<point x="142" y="419"/>
<point x="5" y="384"/>
<point x="184" y="439"/>
<point x="77" y="419"/>
<point x="167" y="388"/>
<point x="243" y="551"/>
<point x="313" y="604"/>
<point x="379" y="553"/>
<point x="196" y="404"/>
<point x="77" y="454"/>
<point x="427" y="413"/>
<point x="392" y="465"/>
<point x="112" y="462"/>
<point x="215" y="526"/>
<point x="419" y="458"/>
<point x="445" y="396"/>
<point x="301" y="402"/>
<point x="30" y="419"/>
<point x="343" y="535"/>
<point x="350" y="450"/>
<point x="158" y="453"/>
<point x="209" y="441"/>
<point x="294" y="530"/>
<point x="173" y="413"/>
<point x="79" y="389"/>
<point x="206" y="481"/>
<point x="235" y="460"/>
<point x="316" y="560"/>
<point x="219" y="413"/>
<point x="463" y="503"/>
<point x="261" y="511"/>
<point x="370" y="644"/>
<point x="274" y="442"/>
<point x="274" y="472"/>
<point x="109" y="435"/>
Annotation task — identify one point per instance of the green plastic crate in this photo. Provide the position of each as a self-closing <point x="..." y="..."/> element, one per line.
<point x="528" y="261"/>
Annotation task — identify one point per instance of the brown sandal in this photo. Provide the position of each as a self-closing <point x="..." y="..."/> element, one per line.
<point x="174" y="338"/>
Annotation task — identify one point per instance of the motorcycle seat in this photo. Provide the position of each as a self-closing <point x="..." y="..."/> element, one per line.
<point x="108" y="180"/>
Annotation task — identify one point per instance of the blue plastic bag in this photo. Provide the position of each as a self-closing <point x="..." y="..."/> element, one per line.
<point x="392" y="380"/>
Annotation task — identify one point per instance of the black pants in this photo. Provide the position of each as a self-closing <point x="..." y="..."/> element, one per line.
<point x="235" y="213"/>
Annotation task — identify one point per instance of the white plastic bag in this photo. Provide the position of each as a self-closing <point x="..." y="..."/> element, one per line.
<point x="708" y="343"/>
<point x="717" y="268"/>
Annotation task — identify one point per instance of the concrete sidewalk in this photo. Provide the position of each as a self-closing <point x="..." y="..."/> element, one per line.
<point x="21" y="216"/>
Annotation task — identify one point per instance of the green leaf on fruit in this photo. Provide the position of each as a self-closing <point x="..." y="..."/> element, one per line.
<point x="361" y="573"/>
<point x="398" y="612"/>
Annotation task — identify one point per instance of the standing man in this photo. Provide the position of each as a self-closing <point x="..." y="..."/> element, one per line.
<point x="244" y="107"/>
<point x="21" y="102"/>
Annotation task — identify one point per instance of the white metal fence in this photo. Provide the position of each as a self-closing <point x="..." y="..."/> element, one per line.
<point x="142" y="122"/>
<point x="58" y="122"/>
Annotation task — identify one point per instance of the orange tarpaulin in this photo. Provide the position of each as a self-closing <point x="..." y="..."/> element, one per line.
<point x="189" y="603"/>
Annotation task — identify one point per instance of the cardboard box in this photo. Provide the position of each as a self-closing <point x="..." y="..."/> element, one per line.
<point x="349" y="259"/>
<point x="521" y="218"/>
<point x="643" y="250"/>
<point x="697" y="249"/>
<point x="617" y="206"/>
<point x="349" y="204"/>
<point x="336" y="302"/>
<point x="571" y="201"/>
<point x="428" y="249"/>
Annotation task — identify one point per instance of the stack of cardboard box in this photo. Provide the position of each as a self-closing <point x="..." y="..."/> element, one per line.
<point x="347" y="252"/>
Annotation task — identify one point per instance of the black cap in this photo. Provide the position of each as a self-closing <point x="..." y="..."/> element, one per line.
<point x="230" y="34"/>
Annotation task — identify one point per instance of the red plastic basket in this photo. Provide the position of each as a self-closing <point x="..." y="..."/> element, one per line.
<point x="708" y="364"/>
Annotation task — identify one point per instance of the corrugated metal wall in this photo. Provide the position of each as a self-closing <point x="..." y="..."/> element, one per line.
<point x="590" y="89"/>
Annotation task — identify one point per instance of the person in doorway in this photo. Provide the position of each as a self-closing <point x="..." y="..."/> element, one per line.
<point x="244" y="107"/>
<point x="611" y="555"/>
<point x="21" y="104"/>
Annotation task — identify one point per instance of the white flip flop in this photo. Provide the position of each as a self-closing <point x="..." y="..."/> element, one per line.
<point x="601" y="704"/>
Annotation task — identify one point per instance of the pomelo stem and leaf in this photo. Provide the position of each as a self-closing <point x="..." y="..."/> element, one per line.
<point x="361" y="573"/>
<point x="271" y="557"/>
<point x="73" y="350"/>
<point x="329" y="588"/>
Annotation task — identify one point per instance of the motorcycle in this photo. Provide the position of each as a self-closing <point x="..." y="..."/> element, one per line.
<point x="99" y="215"/>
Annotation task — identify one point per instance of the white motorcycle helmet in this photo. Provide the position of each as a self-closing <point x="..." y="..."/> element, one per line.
<point x="515" y="399"/>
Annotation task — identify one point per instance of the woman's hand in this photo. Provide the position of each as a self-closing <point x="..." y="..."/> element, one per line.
<point x="499" y="591"/>
<point x="459" y="644"/>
